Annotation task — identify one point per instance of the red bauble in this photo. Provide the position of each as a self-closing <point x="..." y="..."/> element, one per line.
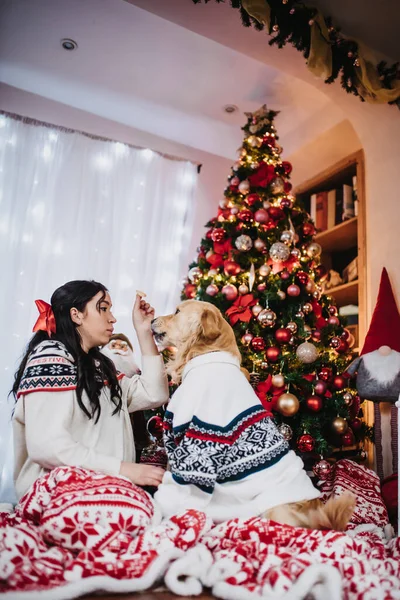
<point x="283" y="335"/>
<point x="333" y="320"/>
<point x="273" y="354"/>
<point x="209" y="234"/>
<point x="287" y="167"/>
<point x="287" y="186"/>
<point x="286" y="203"/>
<point x="261" y="287"/>
<point x="269" y="140"/>
<point x="322" y="469"/>
<point x="258" y="344"/>
<point x="343" y="348"/>
<point x="325" y="374"/>
<point x="293" y="290"/>
<point x="356" y="424"/>
<point x="217" y="235"/>
<point x="321" y="272"/>
<point x="332" y="310"/>
<point x="155" y="427"/>
<point x="314" y="403"/>
<point x="339" y="382"/>
<point x="316" y="335"/>
<point x="190" y="290"/>
<point x="276" y="213"/>
<point x="284" y="274"/>
<point x="335" y="342"/>
<point x="245" y="215"/>
<point x="231" y="267"/>
<point x="261" y="216"/>
<point x="345" y="335"/>
<point x="320" y="387"/>
<point x="302" y="276"/>
<point x="347" y="439"/>
<point x="230" y="291"/>
<point x="308" y="229"/>
<point x="252" y="199"/>
<point x="305" y="443"/>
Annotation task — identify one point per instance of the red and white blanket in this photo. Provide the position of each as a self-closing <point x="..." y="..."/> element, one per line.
<point x="76" y="532"/>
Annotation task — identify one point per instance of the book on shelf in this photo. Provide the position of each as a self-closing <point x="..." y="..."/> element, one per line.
<point x="313" y="207"/>
<point x="348" y="202"/>
<point x="321" y="217"/>
<point x="355" y="196"/>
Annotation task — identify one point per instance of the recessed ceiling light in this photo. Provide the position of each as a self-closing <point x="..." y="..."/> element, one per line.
<point x="230" y="108"/>
<point x="68" y="44"/>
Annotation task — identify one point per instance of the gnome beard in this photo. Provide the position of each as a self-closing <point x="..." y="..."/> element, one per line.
<point x="383" y="365"/>
<point x="122" y="359"/>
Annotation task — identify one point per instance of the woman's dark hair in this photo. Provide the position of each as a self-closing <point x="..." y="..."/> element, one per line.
<point x="93" y="367"/>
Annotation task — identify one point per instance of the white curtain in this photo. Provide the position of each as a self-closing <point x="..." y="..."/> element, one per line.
<point x="74" y="207"/>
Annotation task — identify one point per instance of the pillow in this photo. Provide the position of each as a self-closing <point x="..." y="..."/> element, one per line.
<point x="79" y="509"/>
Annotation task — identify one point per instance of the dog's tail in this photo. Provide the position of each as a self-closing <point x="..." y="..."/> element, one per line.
<point x="334" y="514"/>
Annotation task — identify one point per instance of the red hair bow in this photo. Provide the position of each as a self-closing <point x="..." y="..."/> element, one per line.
<point x="46" y="320"/>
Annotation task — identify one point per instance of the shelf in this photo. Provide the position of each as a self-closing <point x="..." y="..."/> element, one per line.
<point x="340" y="237"/>
<point x="344" y="294"/>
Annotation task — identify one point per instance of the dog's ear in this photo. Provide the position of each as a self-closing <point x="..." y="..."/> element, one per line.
<point x="210" y="324"/>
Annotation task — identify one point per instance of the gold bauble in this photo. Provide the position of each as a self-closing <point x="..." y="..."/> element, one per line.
<point x="287" y="405"/>
<point x="278" y="380"/>
<point x="340" y="425"/>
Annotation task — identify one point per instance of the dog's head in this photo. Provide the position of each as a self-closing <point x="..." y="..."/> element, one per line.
<point x="195" y="328"/>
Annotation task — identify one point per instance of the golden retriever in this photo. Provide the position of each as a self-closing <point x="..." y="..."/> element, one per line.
<point x="198" y="328"/>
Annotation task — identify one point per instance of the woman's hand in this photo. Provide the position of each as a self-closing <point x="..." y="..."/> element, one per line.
<point x="142" y="314"/>
<point x="142" y="474"/>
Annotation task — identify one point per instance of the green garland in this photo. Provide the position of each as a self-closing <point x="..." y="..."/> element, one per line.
<point x="292" y="22"/>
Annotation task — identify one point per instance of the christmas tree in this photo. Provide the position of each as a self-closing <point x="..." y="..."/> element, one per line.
<point x="259" y="264"/>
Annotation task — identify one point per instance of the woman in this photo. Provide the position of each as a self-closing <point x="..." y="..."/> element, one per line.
<point x="71" y="407"/>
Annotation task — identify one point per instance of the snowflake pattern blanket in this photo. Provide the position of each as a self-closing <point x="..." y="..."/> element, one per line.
<point x="77" y="532"/>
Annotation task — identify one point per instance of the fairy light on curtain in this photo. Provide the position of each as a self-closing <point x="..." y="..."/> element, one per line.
<point x="74" y="207"/>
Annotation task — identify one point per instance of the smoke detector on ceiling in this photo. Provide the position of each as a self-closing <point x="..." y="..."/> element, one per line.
<point x="69" y="44"/>
<point x="230" y="108"/>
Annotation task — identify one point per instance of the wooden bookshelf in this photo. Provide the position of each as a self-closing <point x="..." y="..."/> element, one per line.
<point x="348" y="236"/>
<point x="345" y="294"/>
<point x="346" y="239"/>
<point x="342" y="236"/>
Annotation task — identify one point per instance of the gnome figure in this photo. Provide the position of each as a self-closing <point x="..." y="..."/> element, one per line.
<point x="119" y="349"/>
<point x="378" y="366"/>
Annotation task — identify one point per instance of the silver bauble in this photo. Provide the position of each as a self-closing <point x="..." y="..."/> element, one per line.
<point x="194" y="274"/>
<point x="307" y="353"/>
<point x="256" y="309"/>
<point x="266" y="204"/>
<point x="264" y="270"/>
<point x="244" y="186"/>
<point x="244" y="243"/>
<point x="279" y="252"/>
<point x="277" y="185"/>
<point x="287" y="237"/>
<point x="314" y="250"/>
<point x="254" y="141"/>
<point x="307" y="308"/>
<point x="296" y="253"/>
<point x="243" y="289"/>
<point x="286" y="431"/>
<point x="292" y="326"/>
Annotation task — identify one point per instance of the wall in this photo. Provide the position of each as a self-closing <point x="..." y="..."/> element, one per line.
<point x="214" y="171"/>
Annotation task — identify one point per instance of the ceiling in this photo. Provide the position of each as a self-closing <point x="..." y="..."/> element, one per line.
<point x="168" y="70"/>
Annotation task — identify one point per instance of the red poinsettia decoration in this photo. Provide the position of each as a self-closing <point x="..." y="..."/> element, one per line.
<point x="215" y="260"/>
<point x="223" y="247"/>
<point x="268" y="394"/>
<point x="320" y="320"/>
<point x="262" y="176"/>
<point x="240" y="309"/>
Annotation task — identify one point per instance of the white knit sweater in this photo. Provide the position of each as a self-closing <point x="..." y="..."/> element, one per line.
<point x="50" y="429"/>
<point x="225" y="452"/>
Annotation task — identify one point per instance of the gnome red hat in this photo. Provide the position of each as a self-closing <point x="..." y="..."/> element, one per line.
<point x="384" y="329"/>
